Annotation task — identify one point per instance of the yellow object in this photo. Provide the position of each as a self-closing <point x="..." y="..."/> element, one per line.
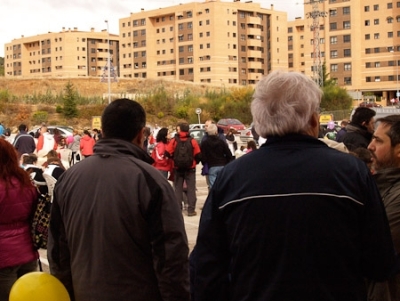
<point x="325" y="118"/>
<point x="38" y="286"/>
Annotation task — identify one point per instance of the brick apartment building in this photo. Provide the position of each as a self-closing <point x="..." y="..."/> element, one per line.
<point x="204" y="42"/>
<point x="359" y="41"/>
<point x="69" y="53"/>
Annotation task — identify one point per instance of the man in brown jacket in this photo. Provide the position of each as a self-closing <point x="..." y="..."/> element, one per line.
<point x="116" y="229"/>
<point x="385" y="148"/>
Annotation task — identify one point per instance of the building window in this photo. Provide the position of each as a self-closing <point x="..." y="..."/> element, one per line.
<point x="367" y="36"/>
<point x="347" y="52"/>
<point x="377" y="64"/>
<point x="389" y="20"/>
<point x="377" y="78"/>
<point x="347" y="80"/>
<point x="346" y="25"/>
<point x="190" y="25"/>
<point x="366" y="8"/>
<point x="332" y="12"/>
<point x="376" y="36"/>
<point x="376" y="21"/>
<point x="181" y="60"/>
<point x="389" y="5"/>
<point x="366" y="23"/>
<point x="367" y="50"/>
<point x="333" y="26"/>
<point x="334" y="67"/>
<point x="376" y="7"/>
<point x="334" y="54"/>
<point x="181" y="48"/>
<point x="346" y="38"/>
<point x="390" y="34"/>
<point x="333" y="40"/>
<point x="346" y="10"/>
<point x="377" y="50"/>
<point x="347" y="66"/>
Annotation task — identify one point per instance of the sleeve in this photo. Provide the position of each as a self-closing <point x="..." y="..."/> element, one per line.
<point x="209" y="261"/>
<point x="39" y="143"/>
<point x="392" y="206"/>
<point x="169" y="243"/>
<point x="170" y="148"/>
<point x="57" y="249"/>
<point x="379" y="260"/>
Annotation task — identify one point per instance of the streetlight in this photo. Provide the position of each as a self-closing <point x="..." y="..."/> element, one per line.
<point x="108" y="63"/>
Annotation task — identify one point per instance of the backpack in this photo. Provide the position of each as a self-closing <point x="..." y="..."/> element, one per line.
<point x="183" y="154"/>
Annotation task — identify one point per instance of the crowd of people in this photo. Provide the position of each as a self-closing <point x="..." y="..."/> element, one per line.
<point x="292" y="219"/>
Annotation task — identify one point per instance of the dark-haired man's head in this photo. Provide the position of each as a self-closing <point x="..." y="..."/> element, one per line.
<point x="364" y="117"/>
<point x="123" y="119"/>
<point x="22" y="127"/>
<point x="184" y="127"/>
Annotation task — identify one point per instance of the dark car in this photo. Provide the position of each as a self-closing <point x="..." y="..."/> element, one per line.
<point x="370" y="105"/>
<point x="230" y="123"/>
<point x="197" y="134"/>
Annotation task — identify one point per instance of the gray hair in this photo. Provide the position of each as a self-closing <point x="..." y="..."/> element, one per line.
<point x="212" y="130"/>
<point x="283" y="103"/>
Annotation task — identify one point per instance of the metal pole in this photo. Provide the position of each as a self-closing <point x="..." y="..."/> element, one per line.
<point x="108" y="63"/>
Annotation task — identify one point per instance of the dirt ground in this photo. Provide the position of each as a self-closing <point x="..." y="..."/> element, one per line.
<point x="86" y="87"/>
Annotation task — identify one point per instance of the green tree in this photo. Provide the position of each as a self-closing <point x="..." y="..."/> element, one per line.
<point x="334" y="97"/>
<point x="70" y="97"/>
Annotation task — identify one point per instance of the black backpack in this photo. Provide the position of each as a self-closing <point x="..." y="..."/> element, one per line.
<point x="183" y="154"/>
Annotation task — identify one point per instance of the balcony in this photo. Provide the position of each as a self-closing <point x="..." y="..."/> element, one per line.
<point x="254" y="42"/>
<point x="253" y="20"/>
<point x="254" y="76"/>
<point x="254" y="53"/>
<point x="253" y="31"/>
<point x="254" y="65"/>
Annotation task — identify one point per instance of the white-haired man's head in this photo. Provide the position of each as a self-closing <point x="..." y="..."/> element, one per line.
<point x="212" y="129"/>
<point x="284" y="103"/>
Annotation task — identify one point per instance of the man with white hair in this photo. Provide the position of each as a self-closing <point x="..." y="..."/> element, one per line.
<point x="294" y="220"/>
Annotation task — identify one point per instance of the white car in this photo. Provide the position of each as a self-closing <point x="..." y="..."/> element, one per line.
<point x="64" y="130"/>
<point x="196" y="126"/>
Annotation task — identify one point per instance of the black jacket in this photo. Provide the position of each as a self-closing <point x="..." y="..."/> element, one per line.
<point x="356" y="136"/>
<point x="215" y="152"/>
<point x="294" y="220"/>
<point x="116" y="230"/>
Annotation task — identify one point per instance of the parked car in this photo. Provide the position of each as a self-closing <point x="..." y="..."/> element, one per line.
<point x="229" y="123"/>
<point x="193" y="126"/>
<point x="246" y="135"/>
<point x="370" y="105"/>
<point x="65" y="130"/>
<point x="197" y="134"/>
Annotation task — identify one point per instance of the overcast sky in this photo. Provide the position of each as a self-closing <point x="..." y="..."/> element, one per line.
<point x="33" y="17"/>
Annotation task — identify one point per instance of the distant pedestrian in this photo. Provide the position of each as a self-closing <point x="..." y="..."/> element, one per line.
<point x="161" y="160"/>
<point x="215" y="153"/>
<point x="74" y="146"/>
<point x="342" y="132"/>
<point x="46" y="142"/>
<point x="23" y="142"/>
<point x="86" y="144"/>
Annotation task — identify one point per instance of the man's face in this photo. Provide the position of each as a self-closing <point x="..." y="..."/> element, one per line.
<point x="370" y="125"/>
<point x="383" y="154"/>
<point x="206" y="124"/>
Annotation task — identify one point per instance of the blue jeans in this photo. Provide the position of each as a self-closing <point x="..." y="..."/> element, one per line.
<point x="213" y="173"/>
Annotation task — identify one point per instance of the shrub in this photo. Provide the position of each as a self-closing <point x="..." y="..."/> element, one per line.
<point x="40" y="116"/>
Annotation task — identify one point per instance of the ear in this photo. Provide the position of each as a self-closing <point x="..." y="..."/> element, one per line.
<point x="314" y="125"/>
<point x="397" y="151"/>
<point x="139" y="139"/>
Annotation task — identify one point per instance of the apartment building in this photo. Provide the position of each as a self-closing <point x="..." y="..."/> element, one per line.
<point x="359" y="41"/>
<point x="69" y="53"/>
<point x="204" y="42"/>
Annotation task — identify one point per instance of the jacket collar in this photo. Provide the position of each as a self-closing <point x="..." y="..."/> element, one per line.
<point x="292" y="139"/>
<point x="120" y="147"/>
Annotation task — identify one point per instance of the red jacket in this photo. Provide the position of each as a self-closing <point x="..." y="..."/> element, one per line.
<point x="16" y="208"/>
<point x="86" y="145"/>
<point x="161" y="161"/>
<point x="184" y="136"/>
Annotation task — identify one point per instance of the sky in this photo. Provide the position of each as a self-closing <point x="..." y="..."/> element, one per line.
<point x="30" y="18"/>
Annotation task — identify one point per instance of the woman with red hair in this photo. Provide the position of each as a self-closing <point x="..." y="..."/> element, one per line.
<point x="18" y="199"/>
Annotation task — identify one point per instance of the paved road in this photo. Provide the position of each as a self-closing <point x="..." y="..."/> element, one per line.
<point x="191" y="223"/>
